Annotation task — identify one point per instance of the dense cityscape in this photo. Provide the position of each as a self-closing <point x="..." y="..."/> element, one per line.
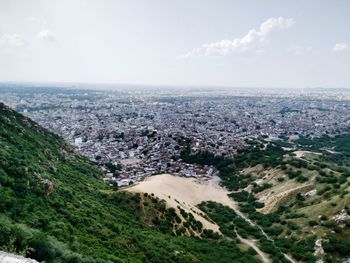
<point x="133" y="134"/>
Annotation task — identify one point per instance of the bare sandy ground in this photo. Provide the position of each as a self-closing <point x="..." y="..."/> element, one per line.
<point x="300" y="154"/>
<point x="186" y="193"/>
<point x="287" y="148"/>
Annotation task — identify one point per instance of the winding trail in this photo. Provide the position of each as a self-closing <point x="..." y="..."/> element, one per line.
<point x="252" y="244"/>
<point x="289" y="258"/>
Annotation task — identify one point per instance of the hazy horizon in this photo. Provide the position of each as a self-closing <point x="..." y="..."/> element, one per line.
<point x="137" y="86"/>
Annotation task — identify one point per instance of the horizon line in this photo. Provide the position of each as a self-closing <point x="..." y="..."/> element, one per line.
<point x="73" y="84"/>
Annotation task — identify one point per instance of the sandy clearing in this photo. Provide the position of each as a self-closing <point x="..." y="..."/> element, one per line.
<point x="257" y="169"/>
<point x="300" y="154"/>
<point x="276" y="189"/>
<point x="186" y="193"/>
<point x="288" y="148"/>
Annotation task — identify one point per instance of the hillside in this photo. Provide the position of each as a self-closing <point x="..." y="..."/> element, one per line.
<point x="54" y="208"/>
<point x="296" y="192"/>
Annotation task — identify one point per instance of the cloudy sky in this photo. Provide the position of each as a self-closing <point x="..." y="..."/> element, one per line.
<point x="272" y="43"/>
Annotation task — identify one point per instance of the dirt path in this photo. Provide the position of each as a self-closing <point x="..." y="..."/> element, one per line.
<point x="251" y="244"/>
<point x="289" y="258"/>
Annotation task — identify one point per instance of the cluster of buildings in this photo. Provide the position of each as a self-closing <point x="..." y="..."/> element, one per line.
<point x="133" y="134"/>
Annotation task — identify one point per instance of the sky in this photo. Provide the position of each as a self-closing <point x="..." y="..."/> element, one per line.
<point x="250" y="43"/>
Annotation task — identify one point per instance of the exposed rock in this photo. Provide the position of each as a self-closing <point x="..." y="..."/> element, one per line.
<point x="11" y="258"/>
<point x="310" y="193"/>
<point x="52" y="169"/>
<point x="27" y="122"/>
<point x="342" y="218"/>
<point x="46" y="182"/>
<point x="318" y="250"/>
<point x="37" y="176"/>
<point x="48" y="153"/>
<point x="65" y="155"/>
<point x="48" y="186"/>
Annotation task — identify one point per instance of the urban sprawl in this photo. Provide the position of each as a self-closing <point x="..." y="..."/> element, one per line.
<point x="137" y="133"/>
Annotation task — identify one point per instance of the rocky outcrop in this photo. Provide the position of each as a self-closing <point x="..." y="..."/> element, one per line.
<point x="49" y="186"/>
<point x="319" y="251"/>
<point x="342" y="218"/>
<point x="11" y="258"/>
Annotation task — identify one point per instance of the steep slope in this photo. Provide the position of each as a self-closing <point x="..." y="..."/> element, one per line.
<point x="54" y="208"/>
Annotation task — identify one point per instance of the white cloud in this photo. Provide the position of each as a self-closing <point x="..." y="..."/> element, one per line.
<point x="226" y="47"/>
<point x="47" y="35"/>
<point x="13" y="40"/>
<point x="340" y="47"/>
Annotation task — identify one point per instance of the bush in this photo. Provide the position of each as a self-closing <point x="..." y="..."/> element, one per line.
<point x="313" y="223"/>
<point x="302" y="179"/>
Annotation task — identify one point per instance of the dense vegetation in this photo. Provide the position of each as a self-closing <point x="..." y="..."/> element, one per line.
<point x="54" y="208"/>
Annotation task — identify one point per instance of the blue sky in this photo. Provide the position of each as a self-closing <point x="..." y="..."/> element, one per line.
<point x="287" y="44"/>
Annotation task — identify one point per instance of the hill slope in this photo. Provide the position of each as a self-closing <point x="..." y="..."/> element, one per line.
<point x="296" y="192"/>
<point x="54" y="208"/>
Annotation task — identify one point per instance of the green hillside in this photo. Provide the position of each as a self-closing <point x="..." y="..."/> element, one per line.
<point x="54" y="208"/>
<point x="298" y="192"/>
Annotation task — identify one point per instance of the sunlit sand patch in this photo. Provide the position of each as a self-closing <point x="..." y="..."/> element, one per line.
<point x="186" y="193"/>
